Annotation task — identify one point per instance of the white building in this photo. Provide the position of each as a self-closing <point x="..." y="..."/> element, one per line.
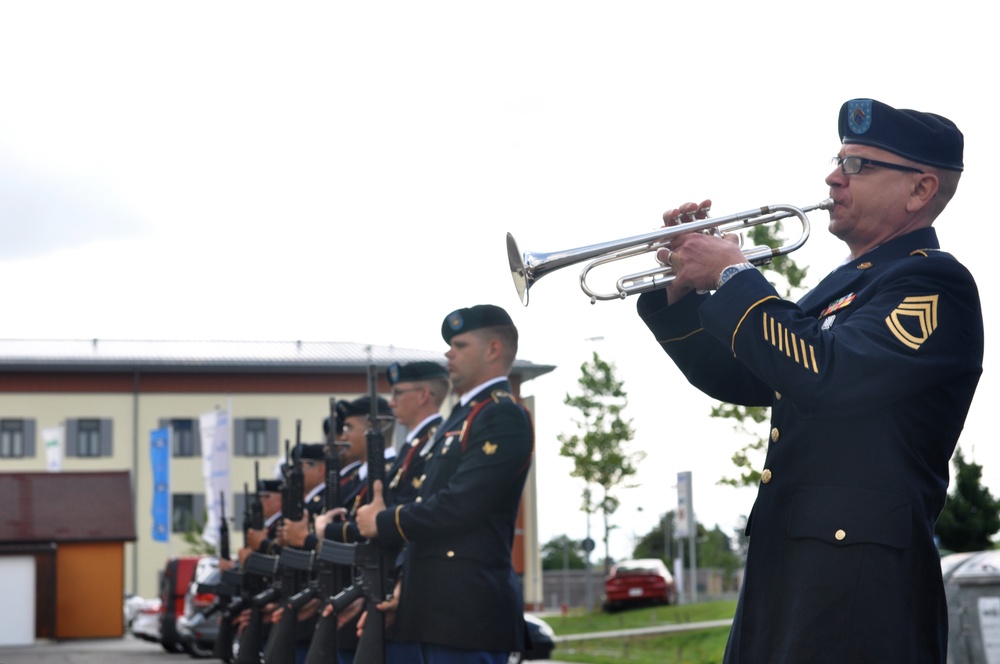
<point x="107" y="396"/>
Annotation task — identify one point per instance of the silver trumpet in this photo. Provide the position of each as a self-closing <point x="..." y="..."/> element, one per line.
<point x="527" y="268"/>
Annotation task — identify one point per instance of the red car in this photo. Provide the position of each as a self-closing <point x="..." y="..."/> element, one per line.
<point x="174" y="582"/>
<point x="638" y="583"/>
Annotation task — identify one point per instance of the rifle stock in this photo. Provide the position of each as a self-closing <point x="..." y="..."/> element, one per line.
<point x="223" y="648"/>
<point x="294" y="568"/>
<point x="334" y="561"/>
<point x="259" y="568"/>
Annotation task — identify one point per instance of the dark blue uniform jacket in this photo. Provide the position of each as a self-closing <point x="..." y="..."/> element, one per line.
<point x="869" y="378"/>
<point x="458" y="585"/>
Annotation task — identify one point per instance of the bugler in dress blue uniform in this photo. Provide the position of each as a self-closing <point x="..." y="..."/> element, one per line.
<point x="869" y="378"/>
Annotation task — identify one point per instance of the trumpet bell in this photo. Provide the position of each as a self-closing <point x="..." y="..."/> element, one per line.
<point x="518" y="270"/>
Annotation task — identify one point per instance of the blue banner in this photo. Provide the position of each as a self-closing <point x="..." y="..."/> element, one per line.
<point x="159" y="455"/>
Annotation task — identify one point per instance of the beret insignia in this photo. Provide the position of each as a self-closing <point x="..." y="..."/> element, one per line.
<point x="859" y="115"/>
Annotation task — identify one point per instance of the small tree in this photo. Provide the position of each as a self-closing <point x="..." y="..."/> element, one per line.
<point x="598" y="453"/>
<point x="656" y="543"/>
<point x="713" y="547"/>
<point x="561" y="552"/>
<point x="970" y="516"/>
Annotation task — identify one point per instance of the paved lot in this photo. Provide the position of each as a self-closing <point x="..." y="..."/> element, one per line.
<point x="91" y="651"/>
<point x="127" y="650"/>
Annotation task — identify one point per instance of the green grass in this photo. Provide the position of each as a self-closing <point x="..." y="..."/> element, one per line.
<point x="695" y="647"/>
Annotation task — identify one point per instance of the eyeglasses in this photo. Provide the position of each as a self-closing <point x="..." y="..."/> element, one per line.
<point x="852" y="165"/>
<point x="397" y="391"/>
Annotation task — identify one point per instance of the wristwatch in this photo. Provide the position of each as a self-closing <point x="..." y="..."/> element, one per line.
<point x="729" y="272"/>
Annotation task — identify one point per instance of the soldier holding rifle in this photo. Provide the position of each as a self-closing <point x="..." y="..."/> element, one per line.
<point x="458" y="596"/>
<point x="418" y="390"/>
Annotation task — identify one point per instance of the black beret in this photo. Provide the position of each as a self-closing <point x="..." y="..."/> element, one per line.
<point x="404" y="373"/>
<point x="269" y="485"/>
<point x="361" y="406"/>
<point x="313" y="451"/>
<point x="473" y="318"/>
<point x="925" y="138"/>
<point x="339" y="425"/>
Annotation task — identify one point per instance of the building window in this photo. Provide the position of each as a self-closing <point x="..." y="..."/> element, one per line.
<point x="188" y="512"/>
<point x="255" y="437"/>
<point x="88" y="437"/>
<point x="186" y="436"/>
<point x="12" y="438"/>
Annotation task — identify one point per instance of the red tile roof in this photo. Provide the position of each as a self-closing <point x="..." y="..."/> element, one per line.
<point x="66" y="507"/>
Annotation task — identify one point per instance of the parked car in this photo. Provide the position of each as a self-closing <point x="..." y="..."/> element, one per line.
<point x="146" y="621"/>
<point x="130" y="607"/>
<point x="198" y="624"/>
<point x="640" y="582"/>
<point x="971" y="587"/>
<point x="174" y="582"/>
<point x="541" y="637"/>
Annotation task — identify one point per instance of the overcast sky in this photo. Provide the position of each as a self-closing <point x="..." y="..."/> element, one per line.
<point x="348" y="171"/>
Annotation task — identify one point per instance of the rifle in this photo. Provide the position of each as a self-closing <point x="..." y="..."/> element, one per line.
<point x="331" y="460"/>
<point x="332" y="560"/>
<point x="292" y="504"/>
<point x="243" y="587"/>
<point x="225" y="638"/>
<point x="253" y="515"/>
<point x="294" y="569"/>
<point x="331" y="577"/>
<point x="294" y="566"/>
<point x="260" y="569"/>
<point x="372" y="560"/>
<point x="224" y="591"/>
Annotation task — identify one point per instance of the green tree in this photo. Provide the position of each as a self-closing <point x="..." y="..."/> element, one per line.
<point x="971" y="515"/>
<point x="655" y="544"/>
<point x="747" y="419"/>
<point x="196" y="544"/>
<point x="560" y="552"/>
<point x="599" y="452"/>
<point x="713" y="548"/>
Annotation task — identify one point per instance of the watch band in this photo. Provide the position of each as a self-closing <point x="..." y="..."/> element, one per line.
<point x="731" y="271"/>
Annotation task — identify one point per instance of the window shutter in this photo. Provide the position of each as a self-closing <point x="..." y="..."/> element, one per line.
<point x="239" y="507"/>
<point x="196" y="438"/>
<point x="198" y="514"/>
<point x="106" y="437"/>
<point x="239" y="437"/>
<point x="70" y="443"/>
<point x="29" y="438"/>
<point x="272" y="437"/>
